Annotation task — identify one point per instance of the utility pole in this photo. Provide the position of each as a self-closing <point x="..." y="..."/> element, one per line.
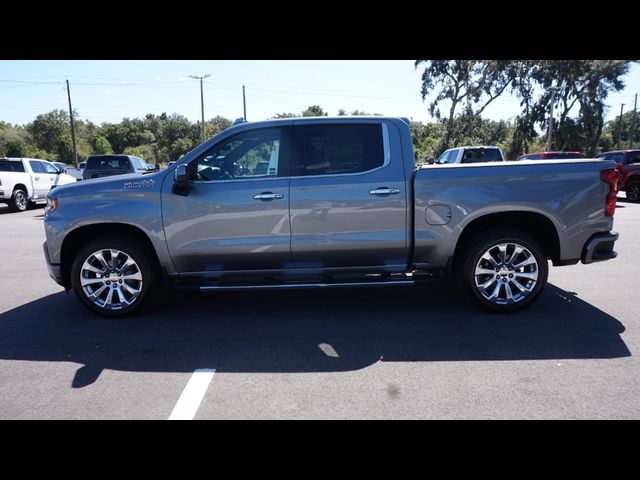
<point x="201" y="99"/>
<point x="73" y="130"/>
<point x="244" y="104"/>
<point x="620" y="127"/>
<point x="553" y="97"/>
<point x="632" y="135"/>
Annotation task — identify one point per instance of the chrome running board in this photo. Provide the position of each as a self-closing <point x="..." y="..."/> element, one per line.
<point x="309" y="285"/>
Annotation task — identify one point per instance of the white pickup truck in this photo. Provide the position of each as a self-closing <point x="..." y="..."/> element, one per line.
<point x="27" y="181"/>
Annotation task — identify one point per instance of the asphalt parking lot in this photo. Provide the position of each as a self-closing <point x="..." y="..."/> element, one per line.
<point x="388" y="352"/>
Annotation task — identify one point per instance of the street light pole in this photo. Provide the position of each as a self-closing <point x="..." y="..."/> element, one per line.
<point x="201" y="99"/>
<point x="553" y="97"/>
<point x="620" y="127"/>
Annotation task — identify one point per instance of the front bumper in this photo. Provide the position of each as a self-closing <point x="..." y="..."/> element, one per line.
<point x="599" y="247"/>
<point x="54" y="268"/>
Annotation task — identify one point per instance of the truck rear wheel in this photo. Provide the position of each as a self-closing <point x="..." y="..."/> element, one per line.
<point x="19" y="201"/>
<point x="503" y="270"/>
<point x="112" y="275"/>
<point x="633" y="191"/>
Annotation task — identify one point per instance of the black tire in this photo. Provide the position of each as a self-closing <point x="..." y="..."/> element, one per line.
<point x="487" y="243"/>
<point x="633" y="191"/>
<point x="19" y="201"/>
<point x="129" y="247"/>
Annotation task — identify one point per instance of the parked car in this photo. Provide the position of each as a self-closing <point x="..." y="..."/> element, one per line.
<point x="77" y="172"/>
<point x="474" y="154"/>
<point x="550" y="156"/>
<point x="25" y="182"/>
<point x="63" y="167"/>
<point x="106" y="165"/>
<point x="630" y="179"/>
<point x="344" y="207"/>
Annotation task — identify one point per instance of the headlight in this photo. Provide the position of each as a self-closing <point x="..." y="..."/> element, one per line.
<point x="52" y="205"/>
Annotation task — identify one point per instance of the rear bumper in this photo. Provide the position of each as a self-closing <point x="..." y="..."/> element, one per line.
<point x="54" y="268"/>
<point x="600" y="247"/>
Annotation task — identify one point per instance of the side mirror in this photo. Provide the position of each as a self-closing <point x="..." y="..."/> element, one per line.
<point x="181" y="180"/>
<point x="157" y="167"/>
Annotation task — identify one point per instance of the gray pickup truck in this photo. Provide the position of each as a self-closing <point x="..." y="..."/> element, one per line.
<point x="340" y="203"/>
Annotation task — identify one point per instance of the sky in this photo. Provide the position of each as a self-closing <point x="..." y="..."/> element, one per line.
<point x="109" y="90"/>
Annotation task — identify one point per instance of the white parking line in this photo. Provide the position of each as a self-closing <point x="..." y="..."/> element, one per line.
<point x="192" y="395"/>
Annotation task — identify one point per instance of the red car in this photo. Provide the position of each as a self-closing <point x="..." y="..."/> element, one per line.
<point x="550" y="155"/>
<point x="630" y="161"/>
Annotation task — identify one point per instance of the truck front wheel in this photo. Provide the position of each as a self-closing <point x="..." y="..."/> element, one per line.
<point x="112" y="275"/>
<point x="504" y="270"/>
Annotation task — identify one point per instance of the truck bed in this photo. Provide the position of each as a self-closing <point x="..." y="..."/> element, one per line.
<point x="449" y="197"/>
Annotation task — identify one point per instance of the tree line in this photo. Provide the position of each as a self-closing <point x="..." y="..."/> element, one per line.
<point x="460" y="90"/>
<point x="156" y="138"/>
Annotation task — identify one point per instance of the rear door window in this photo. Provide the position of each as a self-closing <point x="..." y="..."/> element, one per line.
<point x="11" y="166"/>
<point x="337" y="149"/>
<point x="475" y="155"/>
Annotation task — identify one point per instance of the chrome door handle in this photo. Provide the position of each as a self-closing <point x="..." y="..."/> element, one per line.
<point x="268" y="196"/>
<point x="384" y="191"/>
<point x="36" y="178"/>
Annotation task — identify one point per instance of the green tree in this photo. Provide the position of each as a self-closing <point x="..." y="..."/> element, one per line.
<point x="102" y="146"/>
<point x="17" y="142"/>
<point x="146" y="152"/>
<point x="625" y="134"/>
<point x="314" y="111"/>
<point x="50" y="133"/>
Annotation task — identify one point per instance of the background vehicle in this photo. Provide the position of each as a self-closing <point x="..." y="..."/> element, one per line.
<point x="344" y="206"/>
<point x="471" y="155"/>
<point x="106" y="165"/>
<point x="26" y="181"/>
<point x="550" y="155"/>
<point x="63" y="167"/>
<point x="76" y="172"/>
<point x="630" y="179"/>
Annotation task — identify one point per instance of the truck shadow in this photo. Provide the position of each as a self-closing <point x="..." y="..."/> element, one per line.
<point x="305" y="331"/>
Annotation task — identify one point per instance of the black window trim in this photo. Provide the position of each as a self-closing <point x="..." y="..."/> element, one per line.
<point x="386" y="149"/>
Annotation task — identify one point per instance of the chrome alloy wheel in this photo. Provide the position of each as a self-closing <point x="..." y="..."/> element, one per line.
<point x="506" y="273"/>
<point x="21" y="201"/>
<point x="111" y="279"/>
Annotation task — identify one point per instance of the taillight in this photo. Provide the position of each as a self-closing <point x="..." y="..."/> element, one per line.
<point x="611" y="177"/>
